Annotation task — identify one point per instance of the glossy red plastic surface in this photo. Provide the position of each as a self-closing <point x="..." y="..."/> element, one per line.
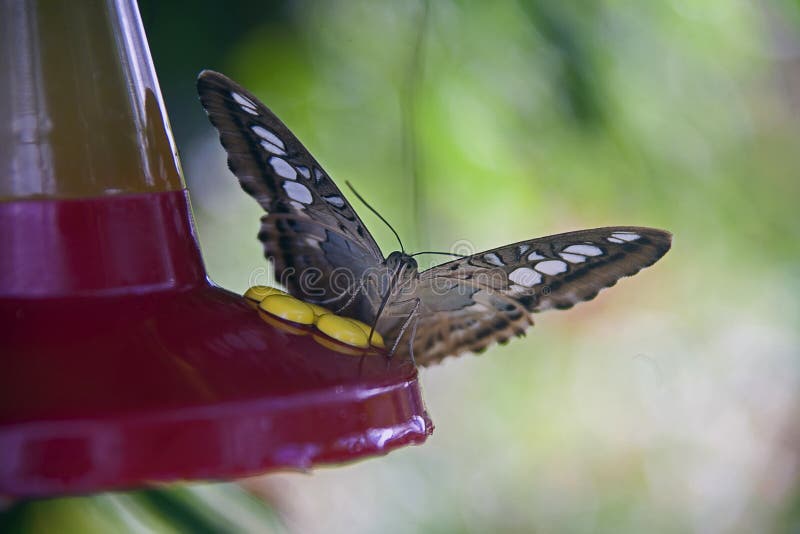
<point x="121" y="364"/>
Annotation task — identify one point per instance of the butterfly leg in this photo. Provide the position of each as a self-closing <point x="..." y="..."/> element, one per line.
<point x="361" y="285"/>
<point x="411" y="340"/>
<point x="403" y="328"/>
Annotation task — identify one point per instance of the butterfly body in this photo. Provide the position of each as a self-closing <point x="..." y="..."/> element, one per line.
<point x="323" y="254"/>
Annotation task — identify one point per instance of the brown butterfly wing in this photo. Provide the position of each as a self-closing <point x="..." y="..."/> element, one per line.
<point x="317" y="243"/>
<point x="470" y="303"/>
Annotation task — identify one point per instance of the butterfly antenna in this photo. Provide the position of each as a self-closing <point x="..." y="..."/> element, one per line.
<point x="442" y="253"/>
<point x="373" y="210"/>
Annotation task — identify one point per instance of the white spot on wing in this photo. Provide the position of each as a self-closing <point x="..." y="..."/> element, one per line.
<point x="573" y="258"/>
<point x="494" y="259"/>
<point x="282" y="168"/>
<point x="533" y="256"/>
<point x="523" y="249"/>
<point x="551" y="267"/>
<point x="525" y="276"/>
<point x="626" y="236"/>
<point x="298" y="192"/>
<point x="245" y="103"/>
<point x="335" y="200"/>
<point x="586" y="250"/>
<point x="265" y="134"/>
<point x="304" y="171"/>
<point x="614" y="240"/>
<point x="272" y="149"/>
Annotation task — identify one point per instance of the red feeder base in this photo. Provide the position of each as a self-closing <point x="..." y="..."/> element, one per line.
<point x="121" y="364"/>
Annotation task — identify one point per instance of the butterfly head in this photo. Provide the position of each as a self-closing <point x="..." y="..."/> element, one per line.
<point x="401" y="263"/>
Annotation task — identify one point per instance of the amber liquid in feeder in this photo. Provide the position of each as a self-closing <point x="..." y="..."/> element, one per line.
<point x="80" y="109"/>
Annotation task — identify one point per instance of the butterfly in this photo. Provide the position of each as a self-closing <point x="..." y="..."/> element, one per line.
<point x="323" y="254"/>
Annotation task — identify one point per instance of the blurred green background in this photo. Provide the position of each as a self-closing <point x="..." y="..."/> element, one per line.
<point x="671" y="403"/>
